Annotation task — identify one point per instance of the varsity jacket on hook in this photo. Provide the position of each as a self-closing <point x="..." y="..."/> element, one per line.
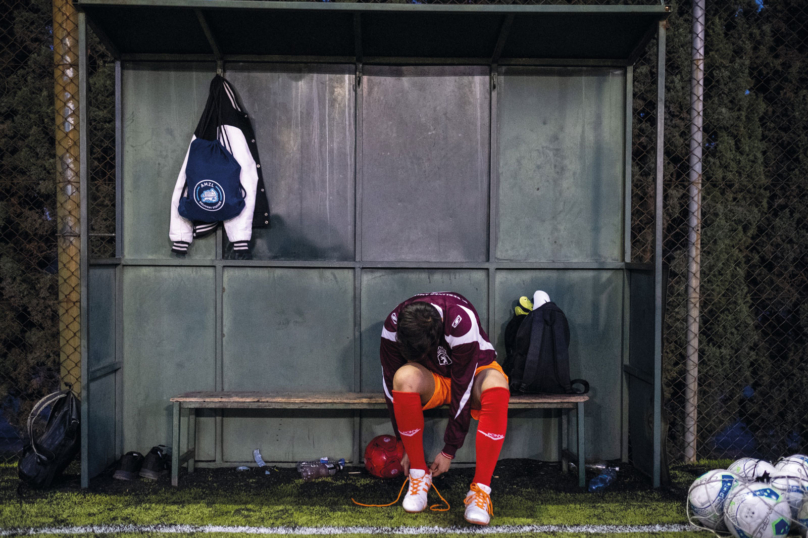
<point x="239" y="138"/>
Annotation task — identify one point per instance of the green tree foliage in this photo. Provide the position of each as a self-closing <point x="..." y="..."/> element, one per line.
<point x="778" y="254"/>
<point x="752" y="357"/>
<point x="29" y="341"/>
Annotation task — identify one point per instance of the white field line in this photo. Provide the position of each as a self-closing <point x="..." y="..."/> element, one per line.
<point x="499" y="529"/>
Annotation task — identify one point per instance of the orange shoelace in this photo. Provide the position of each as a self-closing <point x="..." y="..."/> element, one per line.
<point x="415" y="485"/>
<point x="481" y="499"/>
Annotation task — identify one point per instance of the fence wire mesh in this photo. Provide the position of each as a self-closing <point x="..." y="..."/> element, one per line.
<point x="40" y="211"/>
<point x="752" y="363"/>
<point x="751" y="342"/>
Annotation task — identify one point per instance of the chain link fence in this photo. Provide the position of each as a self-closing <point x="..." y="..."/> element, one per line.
<point x="40" y="210"/>
<point x="752" y="350"/>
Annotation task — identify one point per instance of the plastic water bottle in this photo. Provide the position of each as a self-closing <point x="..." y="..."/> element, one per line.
<point x="310" y="472"/>
<point x="316" y="463"/>
<point x="603" y="480"/>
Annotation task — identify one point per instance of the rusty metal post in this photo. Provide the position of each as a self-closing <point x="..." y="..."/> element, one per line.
<point x="694" y="233"/>
<point x="68" y="216"/>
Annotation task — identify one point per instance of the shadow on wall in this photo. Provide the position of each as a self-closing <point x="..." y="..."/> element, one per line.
<point x="288" y="241"/>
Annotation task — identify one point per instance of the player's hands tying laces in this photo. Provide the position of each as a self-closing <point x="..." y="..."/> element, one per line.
<point x="440" y="465"/>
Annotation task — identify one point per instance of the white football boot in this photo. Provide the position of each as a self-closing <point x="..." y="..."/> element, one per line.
<point x="479" y="508"/>
<point x="420" y="484"/>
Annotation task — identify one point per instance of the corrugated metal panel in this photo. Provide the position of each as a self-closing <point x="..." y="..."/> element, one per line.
<point x="641" y="424"/>
<point x="425" y="163"/>
<point x="168" y="348"/>
<point x="102" y="423"/>
<point x="303" y="118"/>
<point x="287" y="435"/>
<point x="101" y="332"/>
<point x="101" y="316"/>
<point x="288" y="330"/>
<point x="425" y="198"/>
<point x="641" y="319"/>
<point x="561" y="164"/>
<point x="162" y="104"/>
<point x="641" y="359"/>
<point x="592" y="302"/>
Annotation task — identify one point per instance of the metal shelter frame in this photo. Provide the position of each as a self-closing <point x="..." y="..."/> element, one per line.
<point x="95" y="13"/>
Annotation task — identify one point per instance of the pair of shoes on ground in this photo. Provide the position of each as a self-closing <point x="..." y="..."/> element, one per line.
<point x="479" y="508"/>
<point x="153" y="466"/>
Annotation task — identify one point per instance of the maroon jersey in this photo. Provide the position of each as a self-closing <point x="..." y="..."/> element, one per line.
<point x="463" y="348"/>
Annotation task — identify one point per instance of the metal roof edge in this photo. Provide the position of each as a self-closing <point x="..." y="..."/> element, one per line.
<point x="352" y="7"/>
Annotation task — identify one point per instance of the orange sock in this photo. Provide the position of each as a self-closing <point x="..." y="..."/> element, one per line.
<point x="490" y="432"/>
<point x="410" y="421"/>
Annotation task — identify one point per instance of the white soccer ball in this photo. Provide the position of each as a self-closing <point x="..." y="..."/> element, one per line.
<point x="793" y="488"/>
<point x="796" y="465"/>
<point x="707" y="495"/>
<point x="750" y="469"/>
<point x="757" y="510"/>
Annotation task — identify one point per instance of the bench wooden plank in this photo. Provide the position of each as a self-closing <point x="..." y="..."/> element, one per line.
<point x="343" y="400"/>
<point x="351" y="400"/>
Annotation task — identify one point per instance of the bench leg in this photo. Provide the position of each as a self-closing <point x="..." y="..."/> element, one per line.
<point x="175" y="447"/>
<point x="356" y="455"/>
<point x="581" y="442"/>
<point x="191" y="439"/>
<point x="565" y="461"/>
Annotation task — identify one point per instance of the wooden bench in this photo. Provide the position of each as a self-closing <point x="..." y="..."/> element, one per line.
<point x="348" y="400"/>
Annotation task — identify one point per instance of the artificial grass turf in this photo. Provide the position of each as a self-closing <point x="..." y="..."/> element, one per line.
<point x="526" y="493"/>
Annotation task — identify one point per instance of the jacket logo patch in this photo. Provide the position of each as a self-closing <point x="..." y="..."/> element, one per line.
<point x="494" y="436"/>
<point x="443" y="357"/>
<point x="456" y="322"/>
<point x="409" y="433"/>
<point x="209" y="195"/>
<point x="394" y="317"/>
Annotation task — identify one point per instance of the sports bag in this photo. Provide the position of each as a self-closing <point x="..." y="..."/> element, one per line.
<point x="45" y="456"/>
<point x="213" y="190"/>
<point x="537" y="353"/>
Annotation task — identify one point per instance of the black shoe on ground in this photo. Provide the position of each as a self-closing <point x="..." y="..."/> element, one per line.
<point x="156" y="464"/>
<point x="130" y="465"/>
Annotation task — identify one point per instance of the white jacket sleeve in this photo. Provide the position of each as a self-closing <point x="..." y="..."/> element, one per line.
<point x="239" y="228"/>
<point x="181" y="230"/>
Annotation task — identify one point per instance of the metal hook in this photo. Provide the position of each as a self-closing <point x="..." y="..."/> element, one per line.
<point x="220" y="67"/>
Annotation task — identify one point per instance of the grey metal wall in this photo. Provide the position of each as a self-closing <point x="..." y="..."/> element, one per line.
<point x="561" y="164"/>
<point x="375" y="195"/>
<point x="104" y="369"/>
<point x="303" y="118"/>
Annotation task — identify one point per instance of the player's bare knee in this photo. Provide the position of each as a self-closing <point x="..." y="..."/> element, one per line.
<point x="408" y="378"/>
<point x="494" y="380"/>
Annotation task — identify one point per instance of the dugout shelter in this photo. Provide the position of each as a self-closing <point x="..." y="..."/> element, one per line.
<point x="483" y="149"/>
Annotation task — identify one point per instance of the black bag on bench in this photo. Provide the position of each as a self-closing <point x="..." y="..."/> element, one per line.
<point x="537" y="353"/>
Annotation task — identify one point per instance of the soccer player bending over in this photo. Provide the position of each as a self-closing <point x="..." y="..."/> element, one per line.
<point x="434" y="352"/>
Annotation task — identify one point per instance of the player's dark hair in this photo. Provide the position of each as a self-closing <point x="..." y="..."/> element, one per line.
<point x="419" y="330"/>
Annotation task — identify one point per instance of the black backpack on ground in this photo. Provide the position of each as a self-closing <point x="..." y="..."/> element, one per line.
<point x="537" y="353"/>
<point x="45" y="456"/>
